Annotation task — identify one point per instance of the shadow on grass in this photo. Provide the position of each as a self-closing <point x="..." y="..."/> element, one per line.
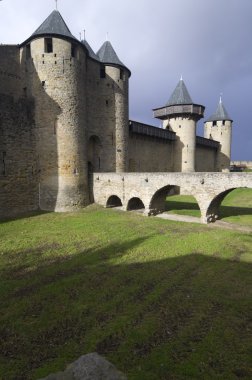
<point x="174" y="318"/>
<point x="30" y="214"/>
<point x="225" y="211"/>
<point x="173" y="205"/>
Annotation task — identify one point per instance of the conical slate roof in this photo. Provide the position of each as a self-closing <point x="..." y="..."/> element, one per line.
<point x="107" y="54"/>
<point x="54" y="24"/>
<point x="180" y="95"/>
<point x="90" y="50"/>
<point x="220" y="113"/>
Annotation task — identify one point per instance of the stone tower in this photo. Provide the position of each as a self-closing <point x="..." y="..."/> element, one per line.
<point x="219" y="127"/>
<point x="180" y="115"/>
<point x="53" y="64"/>
<point x="117" y="76"/>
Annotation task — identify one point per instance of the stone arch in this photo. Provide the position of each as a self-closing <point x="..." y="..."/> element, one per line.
<point x="135" y="203"/>
<point x="157" y="202"/>
<point x="94" y="153"/>
<point x="213" y="210"/>
<point x="114" y="201"/>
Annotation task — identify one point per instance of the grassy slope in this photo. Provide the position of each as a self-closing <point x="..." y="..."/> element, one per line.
<point x="235" y="208"/>
<point x="159" y="299"/>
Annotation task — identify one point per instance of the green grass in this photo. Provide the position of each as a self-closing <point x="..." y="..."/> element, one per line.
<point x="235" y="208"/>
<point x="160" y="299"/>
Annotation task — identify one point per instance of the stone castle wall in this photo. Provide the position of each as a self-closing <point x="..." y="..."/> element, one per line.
<point x="107" y="107"/>
<point x="10" y="74"/>
<point x="150" y="154"/>
<point x="184" y="154"/>
<point x="221" y="132"/>
<point x="18" y="167"/>
<point x="64" y="115"/>
<point x="246" y="164"/>
<point x="57" y="81"/>
<point x="205" y="160"/>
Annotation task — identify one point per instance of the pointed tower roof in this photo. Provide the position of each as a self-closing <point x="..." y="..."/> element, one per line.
<point x="220" y="113"/>
<point x="90" y="50"/>
<point x="180" y="103"/>
<point x="54" y="24"/>
<point x="180" y="95"/>
<point x="107" y="55"/>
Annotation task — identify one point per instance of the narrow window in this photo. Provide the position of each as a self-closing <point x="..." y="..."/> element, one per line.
<point x="214" y="123"/>
<point x="121" y="74"/>
<point x="223" y="122"/>
<point x="102" y="72"/>
<point x="48" y="45"/>
<point x="55" y="126"/>
<point x="107" y="102"/>
<point x="4" y="167"/>
<point x="28" y="51"/>
<point x="73" y="50"/>
<point x="43" y="83"/>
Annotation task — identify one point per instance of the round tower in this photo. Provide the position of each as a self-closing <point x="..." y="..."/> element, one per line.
<point x="117" y="75"/>
<point x="180" y="115"/>
<point x="54" y="67"/>
<point x="219" y="127"/>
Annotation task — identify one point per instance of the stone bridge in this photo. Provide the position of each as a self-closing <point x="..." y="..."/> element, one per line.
<point x="149" y="190"/>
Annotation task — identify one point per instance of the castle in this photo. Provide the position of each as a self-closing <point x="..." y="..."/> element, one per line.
<point x="64" y="114"/>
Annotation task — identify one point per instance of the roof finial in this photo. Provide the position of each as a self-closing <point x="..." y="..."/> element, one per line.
<point x="56" y="5"/>
<point x="107" y="36"/>
<point x="84" y="34"/>
<point x="80" y="35"/>
<point x="181" y="77"/>
<point x="221" y="97"/>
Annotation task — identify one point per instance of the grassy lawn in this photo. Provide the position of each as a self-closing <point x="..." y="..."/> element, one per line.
<point x="235" y="208"/>
<point x="160" y="299"/>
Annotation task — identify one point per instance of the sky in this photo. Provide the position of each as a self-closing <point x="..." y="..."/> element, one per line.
<point x="208" y="42"/>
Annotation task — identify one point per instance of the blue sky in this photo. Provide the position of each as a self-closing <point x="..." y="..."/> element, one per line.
<point x="208" y="42"/>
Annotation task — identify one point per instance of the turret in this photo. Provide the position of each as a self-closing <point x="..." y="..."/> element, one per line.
<point x="53" y="62"/>
<point x="117" y="75"/>
<point x="180" y="115"/>
<point x="219" y="127"/>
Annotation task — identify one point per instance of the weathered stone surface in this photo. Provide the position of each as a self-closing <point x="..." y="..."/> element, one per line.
<point x="89" y="367"/>
<point x="208" y="189"/>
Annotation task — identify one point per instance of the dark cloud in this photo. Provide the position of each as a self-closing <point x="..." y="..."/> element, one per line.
<point x="208" y="41"/>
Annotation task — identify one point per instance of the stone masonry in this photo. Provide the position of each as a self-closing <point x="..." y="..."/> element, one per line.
<point x="64" y="114"/>
<point x="149" y="190"/>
